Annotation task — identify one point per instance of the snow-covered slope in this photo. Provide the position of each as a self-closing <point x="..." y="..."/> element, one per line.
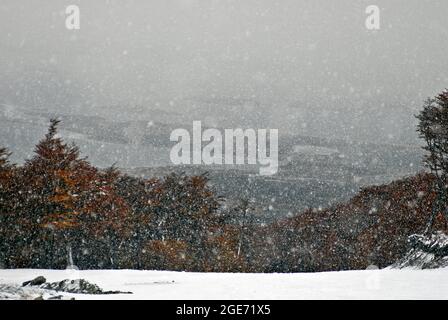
<point x="371" y="284"/>
<point x="427" y="252"/>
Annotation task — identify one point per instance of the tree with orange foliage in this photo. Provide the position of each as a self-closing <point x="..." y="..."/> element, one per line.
<point x="7" y="204"/>
<point x="184" y="210"/>
<point x="53" y="182"/>
<point x="241" y="220"/>
<point x="137" y="193"/>
<point x="64" y="199"/>
<point x="6" y="179"/>
<point x="168" y="255"/>
<point x="107" y="217"/>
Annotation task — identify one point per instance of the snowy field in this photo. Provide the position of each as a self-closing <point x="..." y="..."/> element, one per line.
<point x="371" y="284"/>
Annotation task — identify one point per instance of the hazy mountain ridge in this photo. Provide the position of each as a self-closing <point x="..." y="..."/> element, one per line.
<point x="313" y="171"/>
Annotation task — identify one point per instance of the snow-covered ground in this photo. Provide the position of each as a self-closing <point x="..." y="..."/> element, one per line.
<point x="370" y="284"/>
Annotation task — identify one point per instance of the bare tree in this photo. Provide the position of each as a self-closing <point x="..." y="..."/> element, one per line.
<point x="433" y="128"/>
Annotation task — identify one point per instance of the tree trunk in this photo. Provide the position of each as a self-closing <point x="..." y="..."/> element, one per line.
<point x="70" y="263"/>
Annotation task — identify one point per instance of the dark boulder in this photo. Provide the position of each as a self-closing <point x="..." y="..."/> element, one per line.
<point x="35" y="282"/>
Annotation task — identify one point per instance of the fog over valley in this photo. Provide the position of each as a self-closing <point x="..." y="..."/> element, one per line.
<point x="342" y="97"/>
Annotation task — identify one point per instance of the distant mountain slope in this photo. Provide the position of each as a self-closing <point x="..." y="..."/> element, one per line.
<point x="314" y="171"/>
<point x="127" y="144"/>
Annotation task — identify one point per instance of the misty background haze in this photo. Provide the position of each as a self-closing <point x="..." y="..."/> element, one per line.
<point x="342" y="97"/>
<point x="305" y="67"/>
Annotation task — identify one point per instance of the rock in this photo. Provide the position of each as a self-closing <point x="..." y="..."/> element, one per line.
<point x="73" y="286"/>
<point x="70" y="286"/>
<point x="77" y="286"/>
<point x="35" y="282"/>
<point x="17" y="292"/>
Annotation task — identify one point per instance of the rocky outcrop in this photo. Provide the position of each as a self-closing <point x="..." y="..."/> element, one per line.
<point x="77" y="286"/>
<point x="35" y="282"/>
<point x="426" y="252"/>
<point x="16" y="292"/>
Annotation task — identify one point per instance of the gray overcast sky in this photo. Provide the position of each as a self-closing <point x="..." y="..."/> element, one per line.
<point x="161" y="53"/>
